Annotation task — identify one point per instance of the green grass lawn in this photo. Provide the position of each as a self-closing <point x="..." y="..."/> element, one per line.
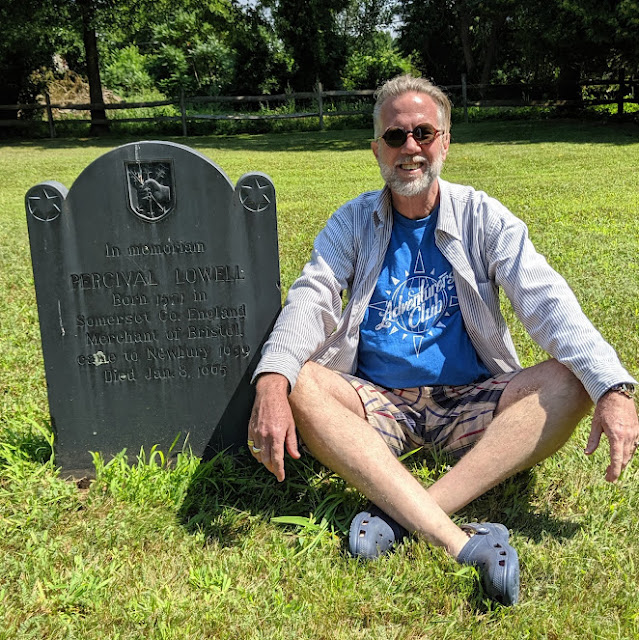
<point x="151" y="550"/>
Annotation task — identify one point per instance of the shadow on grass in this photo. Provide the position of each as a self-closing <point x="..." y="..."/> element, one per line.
<point x="546" y="131"/>
<point x="31" y="444"/>
<point x="511" y="503"/>
<point x="229" y="491"/>
<point x="346" y="140"/>
<point x="487" y="132"/>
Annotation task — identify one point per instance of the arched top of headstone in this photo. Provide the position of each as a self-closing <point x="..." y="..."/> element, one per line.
<point x="152" y="178"/>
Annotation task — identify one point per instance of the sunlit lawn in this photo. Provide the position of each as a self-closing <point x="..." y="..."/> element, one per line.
<point x="191" y="551"/>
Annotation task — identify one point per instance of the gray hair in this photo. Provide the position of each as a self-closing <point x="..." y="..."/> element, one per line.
<point x="405" y="84"/>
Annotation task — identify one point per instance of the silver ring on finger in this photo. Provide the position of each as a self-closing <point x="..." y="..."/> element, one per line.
<point x="255" y="449"/>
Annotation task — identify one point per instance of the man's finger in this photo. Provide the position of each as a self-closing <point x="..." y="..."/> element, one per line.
<point x="277" y="461"/>
<point x="253" y="447"/>
<point x="593" y="439"/>
<point x="629" y="451"/>
<point x="616" y="461"/>
<point x="265" y="457"/>
<point x="292" y="444"/>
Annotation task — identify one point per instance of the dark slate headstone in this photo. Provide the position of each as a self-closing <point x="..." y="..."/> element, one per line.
<point x="157" y="283"/>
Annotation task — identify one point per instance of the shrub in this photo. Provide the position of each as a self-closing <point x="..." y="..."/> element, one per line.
<point x="369" y="70"/>
<point x="127" y="72"/>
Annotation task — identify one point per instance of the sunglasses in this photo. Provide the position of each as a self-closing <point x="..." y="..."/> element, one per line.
<point x="395" y="137"/>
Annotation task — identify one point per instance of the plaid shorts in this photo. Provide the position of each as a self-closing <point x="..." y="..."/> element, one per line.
<point x="445" y="418"/>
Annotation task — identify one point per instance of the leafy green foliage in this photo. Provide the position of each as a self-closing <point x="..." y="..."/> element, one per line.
<point x="557" y="42"/>
<point x="127" y="72"/>
<point x="271" y="46"/>
<point x="26" y="43"/>
<point x="310" y="33"/>
<point x="262" y="65"/>
<point x="154" y="479"/>
<point x="370" y="70"/>
<point x="190" y="55"/>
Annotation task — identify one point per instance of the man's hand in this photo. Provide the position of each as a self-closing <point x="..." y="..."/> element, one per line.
<point x="616" y="416"/>
<point x="272" y="427"/>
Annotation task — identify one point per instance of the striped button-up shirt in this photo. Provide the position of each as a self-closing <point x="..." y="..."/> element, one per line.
<point x="488" y="248"/>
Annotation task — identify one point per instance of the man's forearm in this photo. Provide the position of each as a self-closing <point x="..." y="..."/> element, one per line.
<point x="272" y="383"/>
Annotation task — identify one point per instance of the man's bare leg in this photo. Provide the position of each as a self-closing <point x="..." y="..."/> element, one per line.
<point x="537" y="413"/>
<point x="330" y="418"/>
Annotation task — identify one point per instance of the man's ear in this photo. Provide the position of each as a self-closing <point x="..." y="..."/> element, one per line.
<point x="445" y="145"/>
<point x="375" y="148"/>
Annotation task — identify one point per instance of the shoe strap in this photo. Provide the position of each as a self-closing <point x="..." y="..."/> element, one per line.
<point x="476" y="528"/>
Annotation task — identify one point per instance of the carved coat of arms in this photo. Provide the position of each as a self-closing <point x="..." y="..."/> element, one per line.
<point x="151" y="189"/>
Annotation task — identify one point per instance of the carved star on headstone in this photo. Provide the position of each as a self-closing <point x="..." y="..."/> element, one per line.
<point x="256" y="193"/>
<point x="44" y="203"/>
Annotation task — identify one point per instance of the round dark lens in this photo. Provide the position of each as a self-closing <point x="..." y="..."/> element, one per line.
<point x="395" y="137"/>
<point x="423" y="133"/>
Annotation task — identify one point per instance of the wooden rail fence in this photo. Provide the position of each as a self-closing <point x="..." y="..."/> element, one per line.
<point x="617" y="93"/>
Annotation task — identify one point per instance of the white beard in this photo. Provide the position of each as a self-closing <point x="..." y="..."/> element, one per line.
<point x="415" y="186"/>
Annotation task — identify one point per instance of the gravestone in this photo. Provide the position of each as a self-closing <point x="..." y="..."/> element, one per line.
<point x="157" y="283"/>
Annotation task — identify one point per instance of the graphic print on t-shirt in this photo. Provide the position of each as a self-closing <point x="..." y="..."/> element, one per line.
<point x="413" y="332"/>
<point x="417" y="305"/>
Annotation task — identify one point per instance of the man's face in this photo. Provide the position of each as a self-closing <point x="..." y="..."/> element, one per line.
<point x="411" y="169"/>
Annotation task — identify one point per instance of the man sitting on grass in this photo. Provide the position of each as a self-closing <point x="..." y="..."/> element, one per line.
<point x="421" y="355"/>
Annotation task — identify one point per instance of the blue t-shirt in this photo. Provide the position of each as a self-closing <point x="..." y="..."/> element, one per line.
<point x="413" y="333"/>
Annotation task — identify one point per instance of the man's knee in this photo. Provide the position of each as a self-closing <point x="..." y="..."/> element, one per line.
<point x="309" y="380"/>
<point x="564" y="382"/>
<point x="553" y="383"/>
<point x="316" y="386"/>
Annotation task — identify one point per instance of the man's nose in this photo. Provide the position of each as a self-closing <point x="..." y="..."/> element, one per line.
<point x="411" y="145"/>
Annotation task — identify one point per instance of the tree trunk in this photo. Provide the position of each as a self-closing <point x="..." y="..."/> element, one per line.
<point x="489" y="52"/>
<point x="93" y="72"/>
<point x="568" y="87"/>
<point x="10" y="93"/>
<point x="464" y="35"/>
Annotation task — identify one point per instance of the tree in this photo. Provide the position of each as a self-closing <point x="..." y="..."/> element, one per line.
<point x="367" y="24"/>
<point x="27" y="42"/>
<point x="456" y="36"/>
<point x="311" y="34"/>
<point x="558" y="42"/>
<point x="213" y="47"/>
<point x="430" y="32"/>
<point x="571" y="41"/>
<point x="189" y="52"/>
<point x="86" y="10"/>
<point x="77" y="22"/>
<point x="378" y="62"/>
<point x="261" y="63"/>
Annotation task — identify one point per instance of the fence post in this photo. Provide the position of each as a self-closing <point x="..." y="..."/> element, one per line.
<point x="183" y="111"/>
<point x="50" y="115"/>
<point x="465" y="97"/>
<point x="621" y="93"/>
<point x="320" y="106"/>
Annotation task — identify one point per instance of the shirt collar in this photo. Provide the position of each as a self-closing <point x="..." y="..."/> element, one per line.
<point x="446" y="220"/>
<point x="384" y="207"/>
